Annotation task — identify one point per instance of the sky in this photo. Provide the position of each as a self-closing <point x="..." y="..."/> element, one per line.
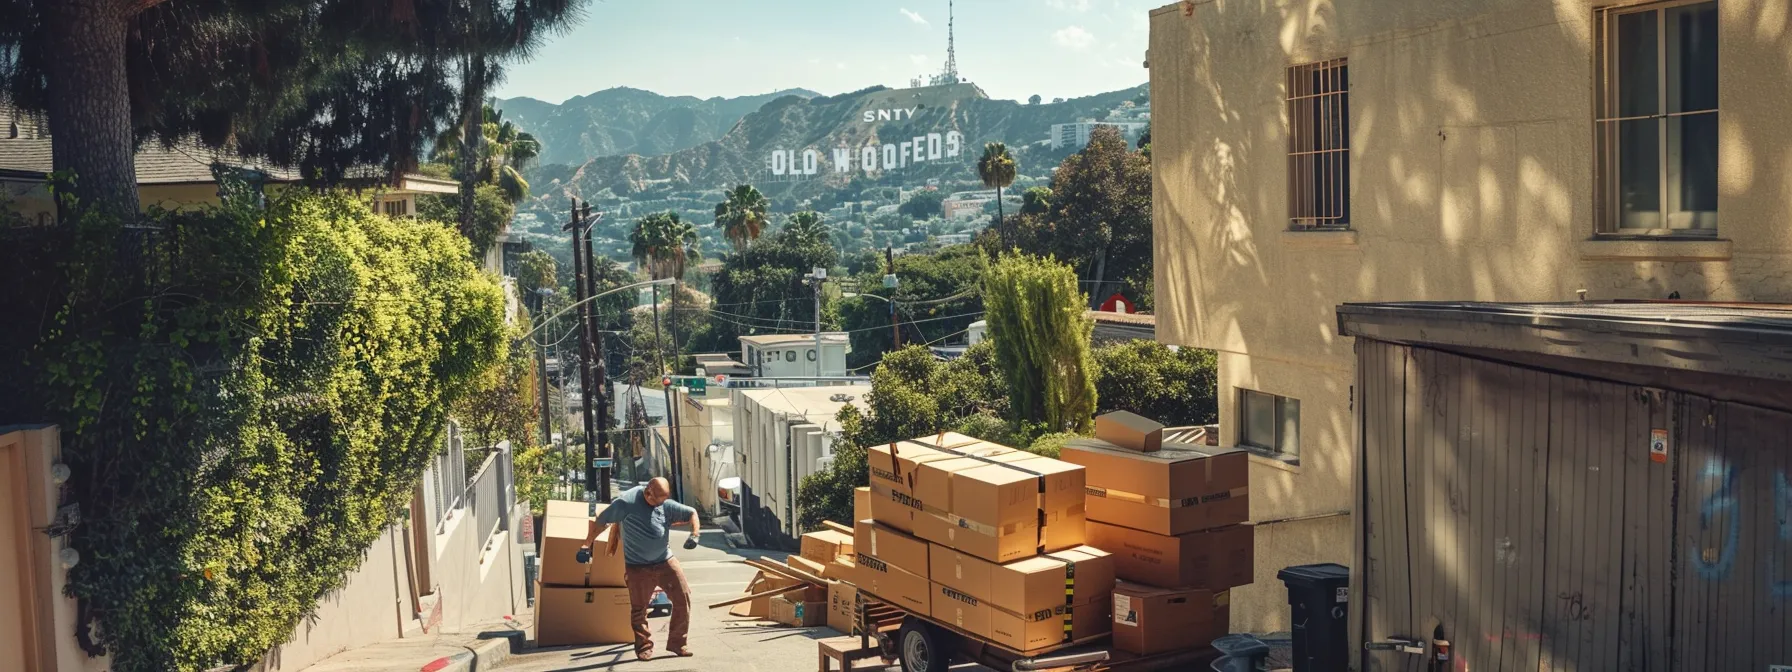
<point x="1011" y="48"/>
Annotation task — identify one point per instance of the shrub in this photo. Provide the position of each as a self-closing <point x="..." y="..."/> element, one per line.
<point x="247" y="395"/>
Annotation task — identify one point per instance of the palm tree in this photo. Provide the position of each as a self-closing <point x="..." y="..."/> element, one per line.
<point x="997" y="170"/>
<point x="504" y="154"/>
<point x="742" y="215"/>
<point x="665" y="244"/>
<point x="487" y="34"/>
<point x="807" y="227"/>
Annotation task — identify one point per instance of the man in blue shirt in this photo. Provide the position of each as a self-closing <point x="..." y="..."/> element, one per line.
<point x="646" y="515"/>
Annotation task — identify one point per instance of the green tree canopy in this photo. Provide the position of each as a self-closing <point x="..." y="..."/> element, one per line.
<point x="1099" y="218"/>
<point x="945" y="284"/>
<point x="760" y="290"/>
<point x="1174" y="387"/>
<point x="923" y="204"/>
<point x="1036" y="318"/>
<point x="741" y="215"/>
<point x="665" y="244"/>
<point x="808" y="228"/>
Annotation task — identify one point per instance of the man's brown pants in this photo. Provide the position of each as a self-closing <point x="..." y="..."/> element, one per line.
<point x="667" y="576"/>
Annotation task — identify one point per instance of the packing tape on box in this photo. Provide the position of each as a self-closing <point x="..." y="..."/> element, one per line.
<point x="881" y="490"/>
<point x="1161" y="502"/>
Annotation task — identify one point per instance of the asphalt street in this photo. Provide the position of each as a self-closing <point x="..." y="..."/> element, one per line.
<point x="717" y="641"/>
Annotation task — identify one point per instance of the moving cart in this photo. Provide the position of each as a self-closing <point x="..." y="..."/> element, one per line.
<point x="925" y="644"/>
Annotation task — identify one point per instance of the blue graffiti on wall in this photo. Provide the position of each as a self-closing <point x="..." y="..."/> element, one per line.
<point x="1782" y="506"/>
<point x="1719" y="502"/>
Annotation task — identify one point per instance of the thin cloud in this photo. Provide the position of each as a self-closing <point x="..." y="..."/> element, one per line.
<point x="1073" y="37"/>
<point x="913" y="16"/>
<point x="917" y="59"/>
<point x="1071" y="5"/>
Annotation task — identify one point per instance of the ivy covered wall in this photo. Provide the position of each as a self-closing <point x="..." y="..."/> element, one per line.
<point x="247" y="394"/>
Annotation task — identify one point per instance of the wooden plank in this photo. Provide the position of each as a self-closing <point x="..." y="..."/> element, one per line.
<point x="1374" y="492"/>
<point x="1453" y="474"/>
<point x="804" y="564"/>
<point x="1631" y="640"/>
<point x="1506" y="490"/>
<point x="1534" y="543"/>
<point x="786" y="571"/>
<point x="1555" y="545"/>
<point x="1608" y="540"/>
<point x="759" y="595"/>
<point x="836" y="527"/>
<point x="1422" y="549"/>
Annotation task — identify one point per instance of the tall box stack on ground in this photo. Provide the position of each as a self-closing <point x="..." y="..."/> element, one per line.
<point x="1175" y="518"/>
<point x="579" y="603"/>
<point x="986" y="539"/>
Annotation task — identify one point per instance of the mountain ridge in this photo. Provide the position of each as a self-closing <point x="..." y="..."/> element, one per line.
<point x="627" y="120"/>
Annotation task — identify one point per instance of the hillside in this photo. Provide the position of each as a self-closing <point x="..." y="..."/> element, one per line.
<point x="629" y="121"/>
<point x="795" y="124"/>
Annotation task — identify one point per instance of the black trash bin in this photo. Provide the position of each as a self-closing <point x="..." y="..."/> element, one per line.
<point x="1319" y="596"/>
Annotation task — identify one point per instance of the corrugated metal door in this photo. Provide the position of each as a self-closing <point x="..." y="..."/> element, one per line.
<point x="1537" y="519"/>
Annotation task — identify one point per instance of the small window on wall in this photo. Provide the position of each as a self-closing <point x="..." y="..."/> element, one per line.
<point x="811" y="354"/>
<point x="1269" y="424"/>
<point x="789" y="355"/>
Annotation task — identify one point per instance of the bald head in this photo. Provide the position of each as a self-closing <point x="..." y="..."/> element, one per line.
<point x="657" y="491"/>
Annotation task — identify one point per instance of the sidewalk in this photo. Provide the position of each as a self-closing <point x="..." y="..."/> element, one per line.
<point x="481" y="647"/>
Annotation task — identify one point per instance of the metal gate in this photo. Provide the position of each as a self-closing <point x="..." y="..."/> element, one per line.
<point x="1549" y="521"/>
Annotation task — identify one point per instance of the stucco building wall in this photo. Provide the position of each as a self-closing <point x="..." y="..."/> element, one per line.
<point x="1472" y="178"/>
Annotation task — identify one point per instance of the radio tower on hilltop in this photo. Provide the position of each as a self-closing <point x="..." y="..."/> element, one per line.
<point x="950" y="74"/>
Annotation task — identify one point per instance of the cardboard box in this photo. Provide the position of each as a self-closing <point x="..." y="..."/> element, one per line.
<point x="995" y="509"/>
<point x="1031" y="633"/>
<point x="892" y="481"/>
<point x="843" y="607"/>
<point x="1051" y="581"/>
<point x="959" y="609"/>
<point x="823" y="546"/>
<point x="962" y="571"/>
<point x="891" y="584"/>
<point x="1212" y="559"/>
<point x="839" y="570"/>
<point x="861" y="502"/>
<point x="891" y="546"/>
<point x="797" y="612"/>
<point x="569" y="615"/>
<point x="560" y="542"/>
<point x="1035" y="598"/>
<point x="1150" y="620"/>
<point x="1130" y="431"/>
<point x="557" y="508"/>
<point x="1178" y="489"/>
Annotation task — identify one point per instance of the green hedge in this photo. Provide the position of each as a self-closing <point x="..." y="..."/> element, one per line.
<point x="248" y="396"/>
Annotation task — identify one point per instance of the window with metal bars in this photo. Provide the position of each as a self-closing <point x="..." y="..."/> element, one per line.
<point x="1319" y="145"/>
<point x="1657" y="119"/>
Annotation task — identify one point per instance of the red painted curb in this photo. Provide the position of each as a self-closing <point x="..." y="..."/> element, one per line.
<point x="436" y="664"/>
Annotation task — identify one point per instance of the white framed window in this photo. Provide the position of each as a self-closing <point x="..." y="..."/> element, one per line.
<point x="1657" y="119"/>
<point x="1269" y="424"/>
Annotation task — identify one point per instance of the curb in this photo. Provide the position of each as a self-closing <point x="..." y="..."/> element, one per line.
<point x="479" y="657"/>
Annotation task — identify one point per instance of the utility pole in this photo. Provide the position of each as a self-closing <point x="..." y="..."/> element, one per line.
<point x="890" y="283"/>
<point x="815" y="279"/>
<point x="659" y="352"/>
<point x="600" y="378"/>
<point x="576" y="226"/>
<point x="541" y="359"/>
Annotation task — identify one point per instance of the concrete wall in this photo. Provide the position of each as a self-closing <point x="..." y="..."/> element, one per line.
<point x="696" y="417"/>
<point x="1472" y="178"/>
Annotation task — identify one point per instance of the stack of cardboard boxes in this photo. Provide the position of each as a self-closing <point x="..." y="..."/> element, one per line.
<point x="579" y="603"/>
<point x="984" y="538"/>
<point x="1173" y="516"/>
